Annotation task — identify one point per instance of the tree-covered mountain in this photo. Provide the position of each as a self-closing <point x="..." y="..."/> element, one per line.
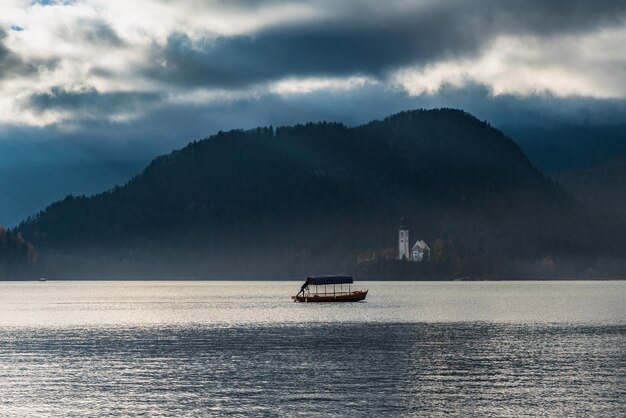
<point x="570" y="147"/>
<point x="600" y="187"/>
<point x="310" y="198"/>
<point x="16" y="254"/>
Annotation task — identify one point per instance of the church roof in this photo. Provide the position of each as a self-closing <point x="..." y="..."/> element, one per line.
<point x="420" y="245"/>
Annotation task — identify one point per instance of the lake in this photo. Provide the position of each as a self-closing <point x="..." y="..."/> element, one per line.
<point x="244" y="348"/>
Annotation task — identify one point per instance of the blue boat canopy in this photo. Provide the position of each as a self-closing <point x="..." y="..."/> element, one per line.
<point x="322" y="280"/>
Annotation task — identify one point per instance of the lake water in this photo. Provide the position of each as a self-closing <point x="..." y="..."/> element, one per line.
<point x="244" y="348"/>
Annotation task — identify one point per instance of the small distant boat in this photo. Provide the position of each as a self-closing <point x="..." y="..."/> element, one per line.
<point x="42" y="279"/>
<point x="329" y="289"/>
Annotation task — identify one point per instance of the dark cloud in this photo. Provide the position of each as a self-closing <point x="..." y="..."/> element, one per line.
<point x="161" y="126"/>
<point x="538" y="17"/>
<point x="369" y="41"/>
<point x="11" y="64"/>
<point x="89" y="102"/>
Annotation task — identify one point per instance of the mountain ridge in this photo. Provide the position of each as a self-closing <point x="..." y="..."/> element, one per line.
<point x="284" y="201"/>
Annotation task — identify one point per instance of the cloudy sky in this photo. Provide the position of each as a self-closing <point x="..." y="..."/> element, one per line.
<point x="90" y="90"/>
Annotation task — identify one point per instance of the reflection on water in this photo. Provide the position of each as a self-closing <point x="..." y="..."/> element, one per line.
<point x="176" y="349"/>
<point x="89" y="304"/>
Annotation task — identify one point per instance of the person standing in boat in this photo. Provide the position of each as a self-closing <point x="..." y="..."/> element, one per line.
<point x="304" y="287"/>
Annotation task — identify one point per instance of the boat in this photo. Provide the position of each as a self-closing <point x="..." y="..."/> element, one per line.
<point x="329" y="289"/>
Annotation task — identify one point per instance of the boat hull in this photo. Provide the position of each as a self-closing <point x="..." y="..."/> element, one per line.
<point x="350" y="297"/>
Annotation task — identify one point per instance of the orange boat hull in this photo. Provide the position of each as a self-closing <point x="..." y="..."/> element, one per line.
<point x="349" y="297"/>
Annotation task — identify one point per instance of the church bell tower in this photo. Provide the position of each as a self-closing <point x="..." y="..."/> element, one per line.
<point x="403" y="242"/>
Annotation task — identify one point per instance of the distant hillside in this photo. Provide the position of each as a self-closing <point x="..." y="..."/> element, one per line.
<point x="570" y="147"/>
<point x="16" y="255"/>
<point x="311" y="198"/>
<point x="600" y="187"/>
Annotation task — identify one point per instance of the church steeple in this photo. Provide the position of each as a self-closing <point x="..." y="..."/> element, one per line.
<point x="403" y="241"/>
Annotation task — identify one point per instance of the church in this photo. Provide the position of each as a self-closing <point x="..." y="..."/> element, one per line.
<point x="419" y="252"/>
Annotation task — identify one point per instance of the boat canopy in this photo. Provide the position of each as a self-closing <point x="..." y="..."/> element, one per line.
<point x="322" y="280"/>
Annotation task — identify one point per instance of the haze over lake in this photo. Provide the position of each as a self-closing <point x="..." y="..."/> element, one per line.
<point x="200" y="348"/>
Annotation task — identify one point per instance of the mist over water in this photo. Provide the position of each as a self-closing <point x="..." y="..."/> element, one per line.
<point x="202" y="348"/>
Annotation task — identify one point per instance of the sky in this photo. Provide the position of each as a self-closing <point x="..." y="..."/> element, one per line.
<point x="91" y="90"/>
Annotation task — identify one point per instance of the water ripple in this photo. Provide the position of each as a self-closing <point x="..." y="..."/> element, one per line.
<point x="354" y="369"/>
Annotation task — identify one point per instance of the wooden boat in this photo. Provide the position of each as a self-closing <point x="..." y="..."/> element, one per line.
<point x="329" y="289"/>
<point x="355" y="296"/>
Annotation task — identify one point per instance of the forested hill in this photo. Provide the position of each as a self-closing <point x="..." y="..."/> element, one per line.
<point x="17" y="256"/>
<point x="310" y="198"/>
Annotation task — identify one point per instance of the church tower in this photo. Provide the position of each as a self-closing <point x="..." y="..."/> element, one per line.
<point x="403" y="242"/>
